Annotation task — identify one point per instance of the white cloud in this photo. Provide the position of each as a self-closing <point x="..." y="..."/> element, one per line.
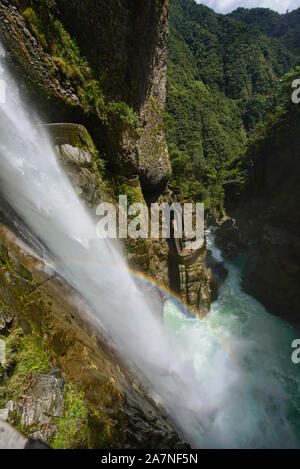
<point x="225" y="6"/>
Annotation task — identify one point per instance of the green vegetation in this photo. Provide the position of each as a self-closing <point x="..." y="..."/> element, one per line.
<point x="11" y="351"/>
<point x="282" y="27"/>
<point x="223" y="80"/>
<point x="73" y="428"/>
<point x="35" y="24"/>
<point x="26" y="354"/>
<point x="66" y="55"/>
<point x="281" y="126"/>
<point x="65" y="62"/>
<point x="32" y="346"/>
<point x="82" y="427"/>
<point x="25" y="357"/>
<point x="124" y="113"/>
<point x="120" y="186"/>
<point x="71" y="64"/>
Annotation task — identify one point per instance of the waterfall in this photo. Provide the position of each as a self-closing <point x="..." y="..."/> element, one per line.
<point x="199" y="371"/>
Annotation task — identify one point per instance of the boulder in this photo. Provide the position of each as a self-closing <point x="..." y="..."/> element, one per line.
<point x="10" y="437"/>
<point x="77" y="155"/>
<point x="40" y="407"/>
<point x="43" y="404"/>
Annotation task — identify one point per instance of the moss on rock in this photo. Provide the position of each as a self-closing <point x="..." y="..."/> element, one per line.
<point x="91" y="73"/>
<point x="103" y="402"/>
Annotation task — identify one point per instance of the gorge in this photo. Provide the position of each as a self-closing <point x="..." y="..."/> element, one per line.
<point x="136" y="345"/>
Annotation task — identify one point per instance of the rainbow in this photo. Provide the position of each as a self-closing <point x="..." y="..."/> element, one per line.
<point x="166" y="293"/>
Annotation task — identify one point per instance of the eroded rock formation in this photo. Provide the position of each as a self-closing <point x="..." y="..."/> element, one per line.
<point x="268" y="218"/>
<point x="49" y="333"/>
<point x="105" y="72"/>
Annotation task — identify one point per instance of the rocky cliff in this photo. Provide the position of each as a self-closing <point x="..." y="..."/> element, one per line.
<point x="127" y="48"/>
<point x="107" y="71"/>
<point x="60" y="380"/>
<point x="268" y="213"/>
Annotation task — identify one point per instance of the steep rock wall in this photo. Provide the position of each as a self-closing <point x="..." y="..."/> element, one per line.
<point x="269" y="219"/>
<point x="118" y="93"/>
<point x="45" y="325"/>
<point x="105" y="69"/>
<point x="127" y="47"/>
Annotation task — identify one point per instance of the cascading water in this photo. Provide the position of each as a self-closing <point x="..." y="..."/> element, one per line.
<point x="251" y="385"/>
<point x="227" y="381"/>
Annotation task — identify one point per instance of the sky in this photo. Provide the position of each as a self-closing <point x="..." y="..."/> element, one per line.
<point x="225" y="6"/>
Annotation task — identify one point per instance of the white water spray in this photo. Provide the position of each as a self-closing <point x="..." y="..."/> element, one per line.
<point x="198" y="381"/>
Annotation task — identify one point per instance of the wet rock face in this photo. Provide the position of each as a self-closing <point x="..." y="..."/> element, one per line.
<point x="273" y="272"/>
<point x="40" y="407"/>
<point x="76" y="161"/>
<point x="269" y="220"/>
<point x="229" y="238"/>
<point x="77" y="155"/>
<point x="118" y="411"/>
<point x="197" y="285"/>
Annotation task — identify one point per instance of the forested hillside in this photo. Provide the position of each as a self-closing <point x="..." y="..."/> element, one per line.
<point x="284" y="27"/>
<point x="223" y="79"/>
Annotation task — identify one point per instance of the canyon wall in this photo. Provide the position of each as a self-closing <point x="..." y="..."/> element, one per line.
<point x="269" y="218"/>
<point x="100" y="67"/>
